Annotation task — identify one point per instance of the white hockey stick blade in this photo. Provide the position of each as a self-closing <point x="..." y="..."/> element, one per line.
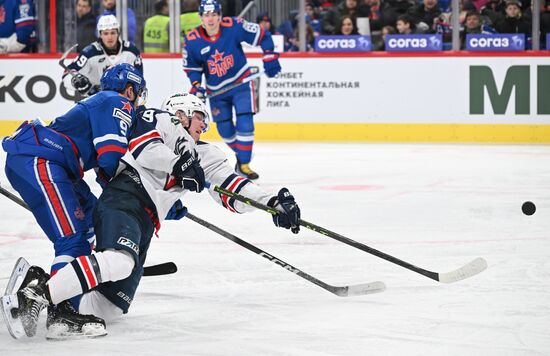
<point x="361" y="289"/>
<point x="15" y="327"/>
<point x="19" y="271"/>
<point x="468" y="270"/>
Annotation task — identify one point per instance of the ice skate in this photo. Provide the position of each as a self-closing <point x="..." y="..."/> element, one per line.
<point x="21" y="310"/>
<point x="244" y="170"/>
<point x="65" y="323"/>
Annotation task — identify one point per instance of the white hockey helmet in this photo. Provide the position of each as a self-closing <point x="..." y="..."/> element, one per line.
<point x="107" y="22"/>
<point x="188" y="104"/>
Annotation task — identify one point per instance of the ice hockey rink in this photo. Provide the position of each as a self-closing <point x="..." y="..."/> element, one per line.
<point x="436" y="206"/>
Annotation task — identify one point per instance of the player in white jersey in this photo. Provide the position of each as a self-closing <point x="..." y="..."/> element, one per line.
<point x="164" y="161"/>
<point x="85" y="71"/>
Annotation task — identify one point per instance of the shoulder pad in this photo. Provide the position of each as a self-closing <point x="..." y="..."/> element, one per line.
<point x="93" y="49"/>
<point x="130" y="47"/>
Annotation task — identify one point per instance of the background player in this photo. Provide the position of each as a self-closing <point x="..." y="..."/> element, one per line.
<point x="161" y="165"/>
<point x="46" y="164"/>
<point x="85" y="71"/>
<point x="214" y="49"/>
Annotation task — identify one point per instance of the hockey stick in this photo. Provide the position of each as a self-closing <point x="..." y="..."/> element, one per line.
<point x="470" y="269"/>
<point x="234" y="85"/>
<point x="154" y="270"/>
<point x="64" y="56"/>
<point x="344" y="291"/>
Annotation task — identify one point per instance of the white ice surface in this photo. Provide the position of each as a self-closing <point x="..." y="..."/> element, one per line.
<point x="436" y="206"/>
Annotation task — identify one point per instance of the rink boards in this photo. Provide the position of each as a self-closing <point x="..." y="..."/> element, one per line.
<point x="438" y="97"/>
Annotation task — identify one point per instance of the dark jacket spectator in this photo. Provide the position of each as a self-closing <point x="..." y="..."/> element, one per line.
<point x="85" y="24"/>
<point x="333" y="16"/>
<point x="392" y="9"/>
<point x="347" y="26"/>
<point x="424" y="14"/>
<point x="473" y="25"/>
<point x="379" y="42"/>
<point x="405" y="25"/>
<point x="494" y="11"/>
<point x="372" y="10"/>
<point x="514" y="22"/>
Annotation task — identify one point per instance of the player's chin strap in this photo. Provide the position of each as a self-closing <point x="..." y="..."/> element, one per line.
<point x="470" y="269"/>
<point x="154" y="270"/>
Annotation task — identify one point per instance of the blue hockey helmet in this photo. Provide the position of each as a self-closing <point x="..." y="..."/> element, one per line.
<point x="210" y="6"/>
<point x="117" y="77"/>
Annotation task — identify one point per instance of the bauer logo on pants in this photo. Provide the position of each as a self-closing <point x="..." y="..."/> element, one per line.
<point x="128" y="243"/>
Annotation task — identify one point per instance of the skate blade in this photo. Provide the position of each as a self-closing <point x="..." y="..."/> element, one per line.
<point x="15" y="326"/>
<point x="60" y="332"/>
<point x="18" y="273"/>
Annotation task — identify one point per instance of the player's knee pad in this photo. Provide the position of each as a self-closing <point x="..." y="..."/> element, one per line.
<point x="245" y="123"/>
<point x="115" y="265"/>
<point x="226" y="128"/>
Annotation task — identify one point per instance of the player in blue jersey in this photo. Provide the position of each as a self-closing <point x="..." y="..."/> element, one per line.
<point x="46" y="164"/>
<point x="17" y="26"/>
<point x="214" y="49"/>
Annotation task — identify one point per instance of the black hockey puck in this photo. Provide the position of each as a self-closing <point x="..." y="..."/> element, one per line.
<point x="528" y="208"/>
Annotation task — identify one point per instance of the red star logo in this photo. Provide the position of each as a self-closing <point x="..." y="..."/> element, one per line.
<point x="218" y="56"/>
<point x="127" y="106"/>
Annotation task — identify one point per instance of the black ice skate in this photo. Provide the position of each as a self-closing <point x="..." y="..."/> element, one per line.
<point x="21" y="310"/>
<point x="244" y="170"/>
<point x="65" y="323"/>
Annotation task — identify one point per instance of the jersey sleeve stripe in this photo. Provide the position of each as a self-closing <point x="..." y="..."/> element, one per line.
<point x="233" y="183"/>
<point x="23" y="19"/>
<point x="111" y="137"/>
<point x="198" y="69"/>
<point x="143" y="139"/>
<point x="110" y="148"/>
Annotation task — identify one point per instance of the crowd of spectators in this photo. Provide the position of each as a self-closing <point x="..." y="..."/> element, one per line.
<point x="335" y="17"/>
<point x="382" y="17"/>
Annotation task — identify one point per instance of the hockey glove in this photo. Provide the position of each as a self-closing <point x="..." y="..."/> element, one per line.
<point x="189" y="173"/>
<point x="289" y="212"/>
<point x="81" y="83"/>
<point x="177" y="211"/>
<point x="198" y="91"/>
<point x="271" y="63"/>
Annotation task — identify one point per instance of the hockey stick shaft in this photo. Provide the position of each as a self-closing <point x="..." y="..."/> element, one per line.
<point x="64" y="56"/>
<point x="234" y="85"/>
<point x="470" y="269"/>
<point x="344" y="291"/>
<point x="154" y="270"/>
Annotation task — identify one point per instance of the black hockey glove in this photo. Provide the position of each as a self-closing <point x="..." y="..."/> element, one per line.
<point x="189" y="173"/>
<point x="289" y="212"/>
<point x="81" y="83"/>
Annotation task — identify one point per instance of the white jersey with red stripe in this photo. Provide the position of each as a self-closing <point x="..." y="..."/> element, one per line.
<point x="155" y="145"/>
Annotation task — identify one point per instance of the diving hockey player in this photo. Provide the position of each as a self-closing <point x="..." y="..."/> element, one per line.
<point x="85" y="71"/>
<point x="161" y="165"/>
<point x="46" y="165"/>
<point x="214" y="49"/>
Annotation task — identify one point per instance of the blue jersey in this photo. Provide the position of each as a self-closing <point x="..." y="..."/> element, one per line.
<point x="99" y="127"/>
<point x="93" y="134"/>
<point x="221" y="58"/>
<point x="18" y="16"/>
